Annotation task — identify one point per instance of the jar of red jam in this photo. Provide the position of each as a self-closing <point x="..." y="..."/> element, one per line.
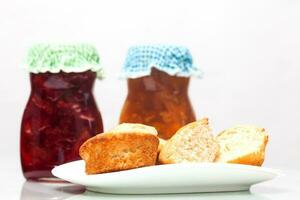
<point x="61" y="112"/>
<point x="158" y="78"/>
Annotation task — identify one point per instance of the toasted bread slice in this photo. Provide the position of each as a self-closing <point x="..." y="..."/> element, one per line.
<point x="127" y="146"/>
<point x="191" y="143"/>
<point x="242" y="145"/>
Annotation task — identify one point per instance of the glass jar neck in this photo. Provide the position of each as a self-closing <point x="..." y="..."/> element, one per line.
<point x="63" y="81"/>
<point x="158" y="81"/>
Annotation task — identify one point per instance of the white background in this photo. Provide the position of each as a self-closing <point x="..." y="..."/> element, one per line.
<point x="249" y="51"/>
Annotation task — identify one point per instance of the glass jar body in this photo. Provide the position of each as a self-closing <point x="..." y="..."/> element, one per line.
<point x="60" y="115"/>
<point x="159" y="100"/>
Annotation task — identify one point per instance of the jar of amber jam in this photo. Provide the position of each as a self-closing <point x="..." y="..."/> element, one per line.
<point x="158" y="79"/>
<point x="61" y="112"/>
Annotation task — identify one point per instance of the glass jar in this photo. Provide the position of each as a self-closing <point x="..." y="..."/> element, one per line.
<point x="159" y="100"/>
<point x="61" y="112"/>
<point x="158" y="79"/>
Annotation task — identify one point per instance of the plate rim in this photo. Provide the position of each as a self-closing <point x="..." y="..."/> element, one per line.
<point x="276" y="172"/>
<point x="92" y="183"/>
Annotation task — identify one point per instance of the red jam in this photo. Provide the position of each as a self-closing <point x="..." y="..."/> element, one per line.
<point x="60" y="115"/>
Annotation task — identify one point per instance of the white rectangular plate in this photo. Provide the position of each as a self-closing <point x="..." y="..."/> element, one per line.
<point x="173" y="178"/>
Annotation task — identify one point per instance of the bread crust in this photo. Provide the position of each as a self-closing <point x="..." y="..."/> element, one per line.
<point x="110" y="152"/>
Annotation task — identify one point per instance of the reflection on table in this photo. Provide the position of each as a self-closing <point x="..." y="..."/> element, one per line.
<point x="207" y="196"/>
<point x="59" y="191"/>
<point x="32" y="190"/>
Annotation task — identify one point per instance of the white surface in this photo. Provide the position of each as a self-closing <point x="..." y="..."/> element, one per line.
<point x="14" y="187"/>
<point x="281" y="188"/>
<point x="174" y="178"/>
<point x="249" y="51"/>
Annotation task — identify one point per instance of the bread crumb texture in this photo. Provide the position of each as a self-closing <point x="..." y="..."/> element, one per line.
<point x="242" y="145"/>
<point x="192" y="143"/>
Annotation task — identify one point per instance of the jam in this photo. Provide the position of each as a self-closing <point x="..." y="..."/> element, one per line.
<point x="158" y="100"/>
<point x="60" y="115"/>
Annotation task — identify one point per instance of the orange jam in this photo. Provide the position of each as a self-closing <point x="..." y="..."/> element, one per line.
<point x="158" y="100"/>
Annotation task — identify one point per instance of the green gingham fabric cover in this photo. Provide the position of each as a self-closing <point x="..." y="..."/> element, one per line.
<point x="54" y="58"/>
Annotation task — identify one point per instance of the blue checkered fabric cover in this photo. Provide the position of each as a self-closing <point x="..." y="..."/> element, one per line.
<point x="174" y="60"/>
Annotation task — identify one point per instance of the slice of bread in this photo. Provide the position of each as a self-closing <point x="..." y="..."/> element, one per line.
<point x="127" y="146"/>
<point x="162" y="142"/>
<point x="242" y="145"/>
<point x="191" y="143"/>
